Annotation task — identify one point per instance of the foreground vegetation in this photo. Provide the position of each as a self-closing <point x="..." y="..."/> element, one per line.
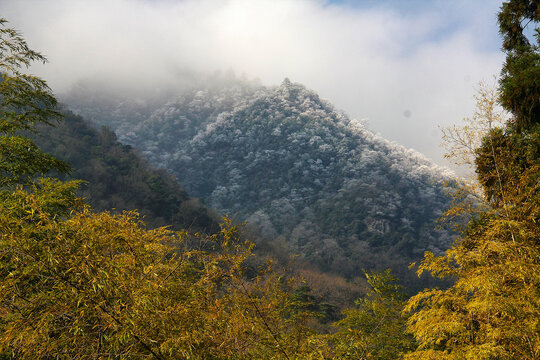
<point x="77" y="283"/>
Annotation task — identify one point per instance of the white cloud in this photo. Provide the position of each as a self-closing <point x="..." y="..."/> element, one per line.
<point x="407" y="70"/>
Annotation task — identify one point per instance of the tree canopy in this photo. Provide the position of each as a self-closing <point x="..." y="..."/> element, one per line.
<point x="493" y="309"/>
<point x="25" y="101"/>
<point x="520" y="80"/>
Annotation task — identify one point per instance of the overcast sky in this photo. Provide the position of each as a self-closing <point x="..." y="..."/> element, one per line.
<point x="407" y="67"/>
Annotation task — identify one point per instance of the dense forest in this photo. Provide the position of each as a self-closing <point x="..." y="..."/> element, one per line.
<point x="284" y="160"/>
<point x="117" y="178"/>
<point x="78" y="281"/>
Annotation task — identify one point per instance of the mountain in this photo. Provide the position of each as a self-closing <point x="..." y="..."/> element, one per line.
<point x="282" y="158"/>
<point x="117" y="178"/>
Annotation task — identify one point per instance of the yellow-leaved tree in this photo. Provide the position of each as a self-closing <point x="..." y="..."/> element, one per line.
<point x="76" y="284"/>
<point x="493" y="309"/>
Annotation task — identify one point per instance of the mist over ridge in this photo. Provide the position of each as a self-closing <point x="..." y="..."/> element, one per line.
<point x="406" y="69"/>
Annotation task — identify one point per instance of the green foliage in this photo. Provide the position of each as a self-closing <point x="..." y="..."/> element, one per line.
<point x="520" y="81"/>
<point x="75" y="283"/>
<point x="506" y="162"/>
<point x="78" y="284"/>
<point x="25" y="100"/>
<point x="374" y="329"/>
<point x="118" y="178"/>
<point x="304" y="301"/>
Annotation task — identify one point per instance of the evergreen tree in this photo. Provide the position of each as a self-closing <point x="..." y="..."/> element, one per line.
<point x="374" y="329"/>
<point x="520" y="81"/>
<point x="25" y="100"/>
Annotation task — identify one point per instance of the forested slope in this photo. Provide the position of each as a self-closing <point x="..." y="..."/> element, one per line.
<point x="285" y="160"/>
<point x="118" y="178"/>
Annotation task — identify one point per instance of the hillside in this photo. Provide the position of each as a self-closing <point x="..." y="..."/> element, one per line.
<point x="116" y="177"/>
<point x="285" y="160"/>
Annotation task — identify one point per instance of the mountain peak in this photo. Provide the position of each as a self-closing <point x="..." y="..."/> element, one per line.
<point x="286" y="83"/>
<point x="296" y="92"/>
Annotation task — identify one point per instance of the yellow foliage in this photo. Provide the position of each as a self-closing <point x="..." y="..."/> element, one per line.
<point x="79" y="284"/>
